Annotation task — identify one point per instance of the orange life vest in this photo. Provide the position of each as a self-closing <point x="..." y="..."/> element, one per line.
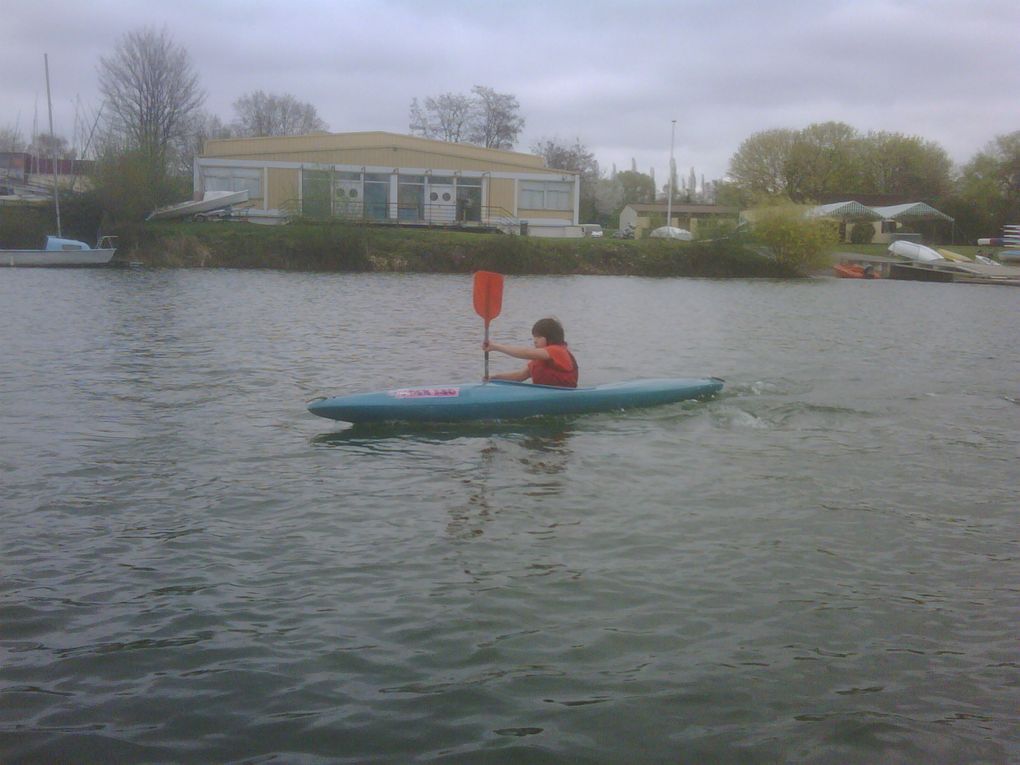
<point x="559" y="370"/>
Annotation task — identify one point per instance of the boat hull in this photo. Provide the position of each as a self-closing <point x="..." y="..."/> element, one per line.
<point x="210" y="201"/>
<point x="501" y="400"/>
<point x="54" y="258"/>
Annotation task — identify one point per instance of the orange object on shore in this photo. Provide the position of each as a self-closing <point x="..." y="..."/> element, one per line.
<point x="854" y="271"/>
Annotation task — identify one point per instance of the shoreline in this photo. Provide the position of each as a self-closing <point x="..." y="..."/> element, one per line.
<point x="335" y="247"/>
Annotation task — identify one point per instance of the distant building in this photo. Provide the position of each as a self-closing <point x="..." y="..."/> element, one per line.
<point x="644" y="217"/>
<point x="390" y="178"/>
<point x="30" y="177"/>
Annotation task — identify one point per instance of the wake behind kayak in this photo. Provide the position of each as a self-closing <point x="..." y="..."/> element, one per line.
<point x="501" y="400"/>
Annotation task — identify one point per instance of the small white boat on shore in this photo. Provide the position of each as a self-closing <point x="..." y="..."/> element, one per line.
<point x="210" y="201"/>
<point x="672" y="232"/>
<point x="914" y="251"/>
<point x="62" y="252"/>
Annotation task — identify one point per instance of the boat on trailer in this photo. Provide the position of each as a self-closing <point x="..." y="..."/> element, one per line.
<point x="211" y="201"/>
<point x="505" y="400"/>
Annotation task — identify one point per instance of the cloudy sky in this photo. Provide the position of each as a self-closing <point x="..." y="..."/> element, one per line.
<point x="612" y="74"/>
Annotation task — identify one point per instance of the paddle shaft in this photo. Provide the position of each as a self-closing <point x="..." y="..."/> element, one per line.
<point x="486" y="378"/>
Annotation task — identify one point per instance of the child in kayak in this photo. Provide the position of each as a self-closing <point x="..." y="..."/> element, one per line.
<point x="549" y="362"/>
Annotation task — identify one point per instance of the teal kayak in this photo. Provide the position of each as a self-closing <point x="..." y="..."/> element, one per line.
<point x="502" y="400"/>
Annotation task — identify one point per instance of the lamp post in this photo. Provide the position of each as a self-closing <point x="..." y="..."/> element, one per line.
<point x="672" y="172"/>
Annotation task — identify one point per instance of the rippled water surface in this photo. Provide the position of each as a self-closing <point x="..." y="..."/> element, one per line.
<point x="820" y="565"/>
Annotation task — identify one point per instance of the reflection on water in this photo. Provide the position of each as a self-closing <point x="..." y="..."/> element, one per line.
<point x="537" y="450"/>
<point x="814" y="566"/>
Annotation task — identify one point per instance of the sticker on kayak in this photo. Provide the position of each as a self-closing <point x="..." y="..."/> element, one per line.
<point x="426" y="393"/>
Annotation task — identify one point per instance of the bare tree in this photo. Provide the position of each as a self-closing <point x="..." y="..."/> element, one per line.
<point x="11" y="140"/>
<point x="497" y="123"/>
<point x="447" y="117"/>
<point x="151" y="92"/>
<point x="484" y="118"/>
<point x="265" y="114"/>
<point x="46" y="145"/>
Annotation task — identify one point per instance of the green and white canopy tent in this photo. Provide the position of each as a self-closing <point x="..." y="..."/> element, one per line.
<point x="855" y="211"/>
<point x="911" y="211"/>
<point x="845" y="211"/>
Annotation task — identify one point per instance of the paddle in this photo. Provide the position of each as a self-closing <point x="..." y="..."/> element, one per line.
<point x="488" y="297"/>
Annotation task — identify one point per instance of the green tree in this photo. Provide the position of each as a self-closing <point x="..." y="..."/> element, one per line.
<point x="824" y="159"/>
<point x="904" y="166"/>
<point x="129" y="186"/>
<point x="638" y="188"/>
<point x="759" y="165"/>
<point x="989" y="187"/>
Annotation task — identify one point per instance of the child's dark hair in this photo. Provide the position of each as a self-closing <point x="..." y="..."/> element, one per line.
<point x="550" y="329"/>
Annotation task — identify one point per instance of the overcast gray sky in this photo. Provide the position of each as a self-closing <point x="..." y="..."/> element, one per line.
<point x="613" y="74"/>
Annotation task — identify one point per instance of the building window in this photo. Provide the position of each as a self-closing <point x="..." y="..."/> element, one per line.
<point x="545" y="195"/>
<point x="233" y="179"/>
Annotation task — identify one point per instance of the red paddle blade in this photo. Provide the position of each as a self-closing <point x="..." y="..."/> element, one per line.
<point x="488" y="294"/>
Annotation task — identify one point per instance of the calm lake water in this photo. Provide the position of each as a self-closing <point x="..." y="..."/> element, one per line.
<point x="821" y="565"/>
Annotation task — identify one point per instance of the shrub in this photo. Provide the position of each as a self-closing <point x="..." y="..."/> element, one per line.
<point x="797" y="242"/>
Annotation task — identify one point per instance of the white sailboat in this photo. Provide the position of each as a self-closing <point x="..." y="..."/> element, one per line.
<point x="58" y="250"/>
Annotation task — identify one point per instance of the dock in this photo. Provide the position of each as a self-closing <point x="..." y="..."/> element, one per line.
<point x="936" y="271"/>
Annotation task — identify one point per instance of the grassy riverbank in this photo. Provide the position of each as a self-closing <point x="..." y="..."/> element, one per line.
<point x="344" y="247"/>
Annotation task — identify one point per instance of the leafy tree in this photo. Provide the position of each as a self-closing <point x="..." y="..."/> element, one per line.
<point x="823" y="159"/>
<point x="638" y="188"/>
<point x="759" y="166"/>
<point x="608" y="200"/>
<point x="484" y="118"/>
<point x="989" y="187"/>
<point x="129" y="185"/>
<point x="267" y="114"/>
<point x="904" y="166"/>
<point x="151" y="92"/>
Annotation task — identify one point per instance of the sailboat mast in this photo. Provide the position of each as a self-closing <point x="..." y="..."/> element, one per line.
<point x="53" y="143"/>
<point x="672" y="172"/>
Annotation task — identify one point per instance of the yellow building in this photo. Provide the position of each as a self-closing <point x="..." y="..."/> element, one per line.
<point x="390" y="178"/>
